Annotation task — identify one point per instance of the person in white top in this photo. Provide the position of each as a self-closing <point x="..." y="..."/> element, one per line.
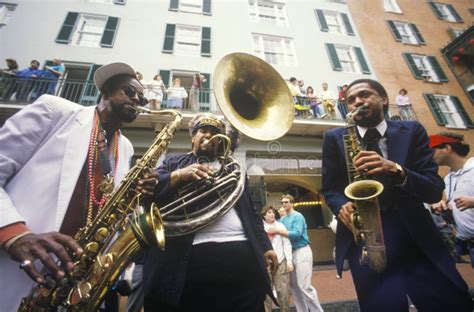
<point x="282" y="247"/>
<point x="451" y="151"/>
<point x="404" y="104"/>
<point x="156" y="88"/>
<point x="176" y="94"/>
<point x="328" y="99"/>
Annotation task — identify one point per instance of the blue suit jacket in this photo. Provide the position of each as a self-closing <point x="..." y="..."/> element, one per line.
<point x="165" y="271"/>
<point x="408" y="145"/>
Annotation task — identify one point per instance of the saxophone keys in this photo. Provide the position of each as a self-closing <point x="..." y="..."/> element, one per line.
<point x="79" y="294"/>
<point x="101" y="234"/>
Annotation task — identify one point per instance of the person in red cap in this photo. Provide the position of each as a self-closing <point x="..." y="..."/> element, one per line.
<point x="450" y="150"/>
<point x="54" y="156"/>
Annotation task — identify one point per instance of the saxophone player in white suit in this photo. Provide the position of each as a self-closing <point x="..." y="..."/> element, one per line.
<point x="51" y="165"/>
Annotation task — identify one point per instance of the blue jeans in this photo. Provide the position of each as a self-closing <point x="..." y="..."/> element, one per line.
<point x="464" y="247"/>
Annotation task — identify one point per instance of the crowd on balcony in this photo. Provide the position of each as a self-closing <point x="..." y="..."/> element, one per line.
<point x="28" y="84"/>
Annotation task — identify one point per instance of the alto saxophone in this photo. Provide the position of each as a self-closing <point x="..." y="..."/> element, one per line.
<point x="366" y="221"/>
<point x="110" y="242"/>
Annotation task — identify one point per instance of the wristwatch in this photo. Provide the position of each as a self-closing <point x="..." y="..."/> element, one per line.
<point x="400" y="171"/>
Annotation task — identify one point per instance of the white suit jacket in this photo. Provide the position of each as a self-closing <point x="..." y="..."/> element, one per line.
<point x="43" y="148"/>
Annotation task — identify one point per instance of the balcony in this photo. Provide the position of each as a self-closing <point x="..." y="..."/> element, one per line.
<point x="311" y="119"/>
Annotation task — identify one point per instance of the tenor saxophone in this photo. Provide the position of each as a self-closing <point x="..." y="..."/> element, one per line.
<point x="366" y="222"/>
<point x="110" y="241"/>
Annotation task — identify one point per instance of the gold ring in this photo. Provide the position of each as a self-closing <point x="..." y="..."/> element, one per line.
<point x="24" y="264"/>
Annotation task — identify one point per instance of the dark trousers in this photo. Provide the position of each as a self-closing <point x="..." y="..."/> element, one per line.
<point x="220" y="277"/>
<point x="409" y="272"/>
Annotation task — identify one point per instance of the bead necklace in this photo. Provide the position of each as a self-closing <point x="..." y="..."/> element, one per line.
<point x="92" y="160"/>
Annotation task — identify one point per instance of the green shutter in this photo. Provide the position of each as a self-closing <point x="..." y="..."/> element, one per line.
<point x="438" y="115"/>
<point x="455" y="14"/>
<point x="349" y="29"/>
<point x="323" y="25"/>
<point x="90" y="93"/>
<point x="109" y="32"/>
<point x="205" y="92"/>
<point x="462" y="112"/>
<point x="335" y="63"/>
<point x="437" y="68"/>
<point x="206" y="7"/>
<point x="65" y="33"/>
<point x="411" y="64"/>
<point x="169" y="38"/>
<point x="395" y="32"/>
<point x="417" y="33"/>
<point x="206" y="41"/>
<point x="174" y="5"/>
<point x="435" y="9"/>
<point x="362" y="62"/>
<point x="165" y="76"/>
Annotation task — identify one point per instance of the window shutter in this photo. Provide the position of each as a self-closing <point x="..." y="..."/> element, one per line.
<point x="64" y="35"/>
<point x="417" y="33"/>
<point x="109" y="32"/>
<point x="437" y="68"/>
<point x="90" y="92"/>
<point x="455" y="14"/>
<point x="437" y="12"/>
<point x="165" y="76"/>
<point x="349" y="29"/>
<point x="411" y="64"/>
<point x="205" y="92"/>
<point x="335" y="63"/>
<point x="438" y="115"/>
<point x="174" y="5"/>
<point x="206" y="41"/>
<point x="395" y="32"/>
<point x="462" y="112"/>
<point x="169" y="38"/>
<point x="362" y="62"/>
<point x="323" y="25"/>
<point x="206" y="7"/>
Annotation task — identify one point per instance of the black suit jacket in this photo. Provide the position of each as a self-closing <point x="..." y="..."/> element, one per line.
<point x="408" y="145"/>
<point x="165" y="271"/>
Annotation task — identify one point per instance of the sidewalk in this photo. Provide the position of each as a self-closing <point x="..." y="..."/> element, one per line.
<point x="341" y="291"/>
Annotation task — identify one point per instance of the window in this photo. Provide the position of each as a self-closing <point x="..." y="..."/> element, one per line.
<point x="275" y="50"/>
<point x="191" y="6"/>
<point x="88" y="30"/>
<point x="448" y="111"/>
<point x="6" y="11"/>
<point x="334" y="22"/>
<point x="455" y="32"/>
<point x="425" y="67"/>
<point x="268" y="12"/>
<point x="391" y="6"/>
<point x="406" y="32"/>
<point x="347" y="59"/>
<point x="445" y="12"/>
<point x="187" y="40"/>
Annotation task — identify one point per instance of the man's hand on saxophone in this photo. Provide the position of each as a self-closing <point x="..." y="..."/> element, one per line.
<point x="371" y="163"/>
<point x="345" y="214"/>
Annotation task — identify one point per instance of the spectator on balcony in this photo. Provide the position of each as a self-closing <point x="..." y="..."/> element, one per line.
<point x="53" y="73"/>
<point x="28" y="79"/>
<point x="176" y="94"/>
<point x="404" y="104"/>
<point x="341" y="102"/>
<point x="298" y="97"/>
<point x="156" y="88"/>
<point x="9" y="82"/>
<point x="198" y="81"/>
<point x="313" y="103"/>
<point x="328" y="99"/>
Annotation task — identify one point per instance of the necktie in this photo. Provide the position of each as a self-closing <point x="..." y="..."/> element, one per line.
<point x="371" y="141"/>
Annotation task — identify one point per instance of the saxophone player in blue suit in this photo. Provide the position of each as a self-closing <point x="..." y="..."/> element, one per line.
<point x="418" y="264"/>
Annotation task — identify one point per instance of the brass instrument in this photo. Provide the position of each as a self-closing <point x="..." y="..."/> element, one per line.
<point x="366" y="221"/>
<point x="110" y="242"/>
<point x="251" y="95"/>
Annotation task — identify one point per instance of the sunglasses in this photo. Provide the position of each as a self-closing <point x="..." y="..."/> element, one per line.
<point x="131" y="92"/>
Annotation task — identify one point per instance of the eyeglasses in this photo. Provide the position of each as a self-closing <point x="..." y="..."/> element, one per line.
<point x="131" y="92"/>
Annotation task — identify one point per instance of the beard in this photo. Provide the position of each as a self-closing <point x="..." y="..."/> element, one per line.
<point x="122" y="112"/>
<point x="369" y="118"/>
